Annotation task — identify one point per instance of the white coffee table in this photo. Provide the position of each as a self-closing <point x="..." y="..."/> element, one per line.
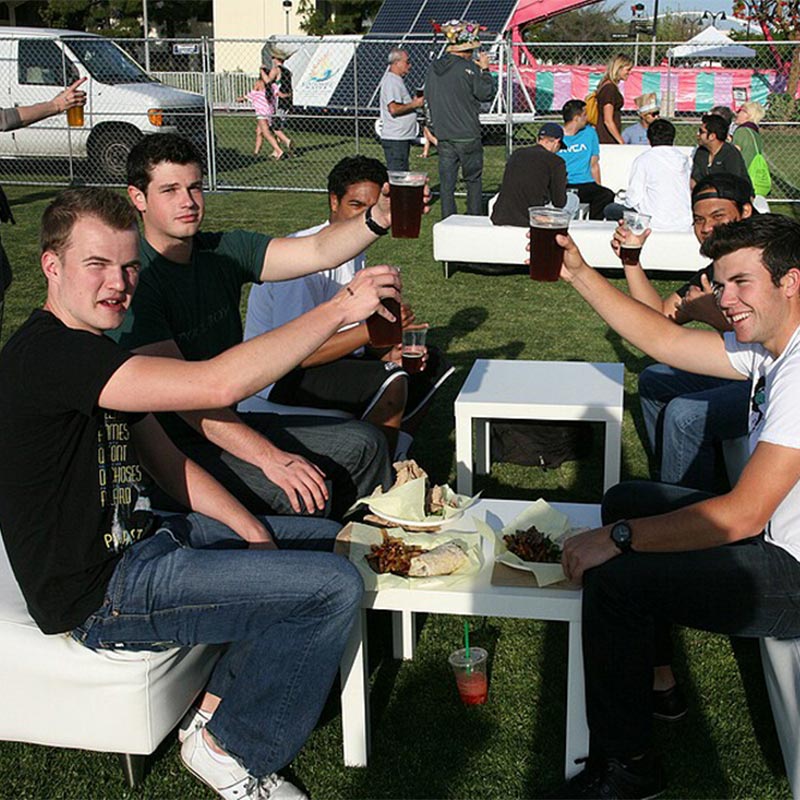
<point x="536" y="390"/>
<point x="480" y="599"/>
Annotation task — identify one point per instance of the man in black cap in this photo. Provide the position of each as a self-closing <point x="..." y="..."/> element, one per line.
<point x="534" y="176"/>
<point x="687" y="415"/>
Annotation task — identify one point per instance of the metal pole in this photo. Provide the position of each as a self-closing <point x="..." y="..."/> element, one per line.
<point x="146" y="36"/>
<point x="655" y="34"/>
<point x="636" y="50"/>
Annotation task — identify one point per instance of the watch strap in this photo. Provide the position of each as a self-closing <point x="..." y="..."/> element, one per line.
<point x="378" y="230"/>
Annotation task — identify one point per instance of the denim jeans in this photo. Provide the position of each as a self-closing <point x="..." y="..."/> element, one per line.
<point x="397" y="153"/>
<point x="749" y="588"/>
<point x="285" y="616"/>
<point x="353" y="455"/>
<point x="685" y="416"/>
<point x="469" y="155"/>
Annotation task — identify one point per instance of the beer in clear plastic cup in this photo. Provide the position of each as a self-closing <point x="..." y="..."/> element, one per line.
<point x="406" y="193"/>
<point x="546" y="253"/>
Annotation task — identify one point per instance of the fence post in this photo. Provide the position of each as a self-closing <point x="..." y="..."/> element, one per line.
<point x="208" y="105"/>
<point x="506" y="59"/>
<point x="355" y="92"/>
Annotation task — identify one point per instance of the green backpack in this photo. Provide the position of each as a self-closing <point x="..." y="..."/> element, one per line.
<point x="759" y="171"/>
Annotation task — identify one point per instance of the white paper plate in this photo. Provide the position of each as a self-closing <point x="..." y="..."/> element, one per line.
<point x="426" y="525"/>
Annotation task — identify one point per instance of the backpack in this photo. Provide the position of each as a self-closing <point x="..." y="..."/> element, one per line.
<point x="758" y="170"/>
<point x="592" y="109"/>
<point x="540" y="444"/>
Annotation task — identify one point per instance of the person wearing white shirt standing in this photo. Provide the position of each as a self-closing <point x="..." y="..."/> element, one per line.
<point x="658" y="184"/>
<point x="398" y="111"/>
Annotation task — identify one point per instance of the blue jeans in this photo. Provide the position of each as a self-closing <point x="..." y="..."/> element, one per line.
<point x="749" y="588"/>
<point x="285" y="616"/>
<point x="469" y="155"/>
<point x="397" y="153"/>
<point x="685" y="416"/>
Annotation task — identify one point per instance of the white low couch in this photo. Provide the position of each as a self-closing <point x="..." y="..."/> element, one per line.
<point x="61" y="694"/>
<point x="474" y="240"/>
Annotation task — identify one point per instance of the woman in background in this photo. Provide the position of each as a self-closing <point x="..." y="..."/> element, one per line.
<point x="609" y="100"/>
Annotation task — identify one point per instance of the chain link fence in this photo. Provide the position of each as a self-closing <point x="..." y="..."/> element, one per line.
<point x="199" y="88"/>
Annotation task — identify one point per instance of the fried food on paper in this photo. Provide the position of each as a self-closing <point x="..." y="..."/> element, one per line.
<point x="392" y="555"/>
<point x="442" y="560"/>
<point x="407" y="471"/>
<point x="533" y="545"/>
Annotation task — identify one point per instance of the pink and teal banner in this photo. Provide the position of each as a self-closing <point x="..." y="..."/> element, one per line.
<point x="693" y="89"/>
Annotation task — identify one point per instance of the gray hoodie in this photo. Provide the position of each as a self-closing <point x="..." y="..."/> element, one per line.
<point x="454" y="89"/>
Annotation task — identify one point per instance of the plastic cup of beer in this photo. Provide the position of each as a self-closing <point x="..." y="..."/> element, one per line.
<point x="406" y="193"/>
<point x="383" y="333"/>
<point x="546" y="253"/>
<point x="637" y="224"/>
<point x="470" y="673"/>
<point x="75" y="116"/>
<point x="414" y="348"/>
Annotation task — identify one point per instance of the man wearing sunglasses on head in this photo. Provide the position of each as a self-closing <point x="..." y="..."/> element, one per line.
<point x="647" y="108"/>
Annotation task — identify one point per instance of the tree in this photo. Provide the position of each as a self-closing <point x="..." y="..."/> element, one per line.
<point x="580" y="25"/>
<point x="337" y="16"/>
<point x="123" y="18"/>
<point x="779" y="18"/>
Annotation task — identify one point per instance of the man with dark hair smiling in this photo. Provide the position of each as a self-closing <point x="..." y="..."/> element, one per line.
<point x="667" y="555"/>
<point x="714" y="153"/>
<point x="187" y="307"/>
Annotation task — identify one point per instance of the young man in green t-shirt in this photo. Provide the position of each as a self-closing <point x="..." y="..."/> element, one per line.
<point x="187" y="306"/>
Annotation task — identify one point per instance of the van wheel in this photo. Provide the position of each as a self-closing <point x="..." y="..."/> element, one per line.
<point x="109" y="149"/>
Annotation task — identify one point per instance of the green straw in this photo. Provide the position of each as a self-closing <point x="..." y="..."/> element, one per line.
<point x="466" y="646"/>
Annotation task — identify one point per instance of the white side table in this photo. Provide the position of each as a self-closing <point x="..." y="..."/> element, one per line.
<point x="536" y="390"/>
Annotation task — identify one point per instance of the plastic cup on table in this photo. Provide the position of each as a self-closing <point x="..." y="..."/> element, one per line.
<point x="470" y="674"/>
<point x="546" y="253"/>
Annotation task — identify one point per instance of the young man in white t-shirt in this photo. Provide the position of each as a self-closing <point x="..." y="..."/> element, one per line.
<point x="346" y="374"/>
<point x="669" y="555"/>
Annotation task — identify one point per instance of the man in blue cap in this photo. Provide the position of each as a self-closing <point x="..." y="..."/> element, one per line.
<point x="534" y="176"/>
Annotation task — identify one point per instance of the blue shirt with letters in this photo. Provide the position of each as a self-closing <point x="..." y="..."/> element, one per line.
<point x="578" y="155"/>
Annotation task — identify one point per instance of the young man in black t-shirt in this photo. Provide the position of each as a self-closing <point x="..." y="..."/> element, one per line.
<point x="77" y="451"/>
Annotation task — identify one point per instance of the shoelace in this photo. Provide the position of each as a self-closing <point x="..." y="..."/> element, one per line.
<point x="264" y="787"/>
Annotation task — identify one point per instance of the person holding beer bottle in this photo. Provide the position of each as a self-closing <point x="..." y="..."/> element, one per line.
<point x="20" y="117"/>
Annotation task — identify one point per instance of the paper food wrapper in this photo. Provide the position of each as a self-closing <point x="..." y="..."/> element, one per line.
<point x="362" y="537"/>
<point x="407" y="502"/>
<point x="550" y="522"/>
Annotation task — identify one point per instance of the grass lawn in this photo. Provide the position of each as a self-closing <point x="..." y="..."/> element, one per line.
<point x="424" y="743"/>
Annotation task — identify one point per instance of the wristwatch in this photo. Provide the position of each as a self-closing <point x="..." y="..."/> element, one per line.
<point x="621" y="535"/>
<point x="378" y="230"/>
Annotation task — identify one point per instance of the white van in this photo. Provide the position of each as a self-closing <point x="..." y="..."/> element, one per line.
<point x="123" y="103"/>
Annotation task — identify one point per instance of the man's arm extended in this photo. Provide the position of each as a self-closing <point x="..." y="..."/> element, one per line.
<point x="401" y="109"/>
<point x="292" y="257"/>
<point x="743" y="512"/>
<point x="191" y="485"/>
<point x="697" y="351"/>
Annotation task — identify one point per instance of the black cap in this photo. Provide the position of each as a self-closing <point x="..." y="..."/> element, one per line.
<point x="552" y="130"/>
<point x="725" y="186"/>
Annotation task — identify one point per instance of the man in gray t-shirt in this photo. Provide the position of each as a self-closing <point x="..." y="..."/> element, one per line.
<point x="398" y="111"/>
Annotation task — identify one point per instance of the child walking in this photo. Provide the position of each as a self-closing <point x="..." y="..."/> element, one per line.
<point x="262" y="99"/>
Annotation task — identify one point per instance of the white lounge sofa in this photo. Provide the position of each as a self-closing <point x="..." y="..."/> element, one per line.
<point x="61" y="694"/>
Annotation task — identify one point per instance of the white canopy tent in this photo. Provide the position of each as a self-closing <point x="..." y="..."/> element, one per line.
<point x="711" y="43"/>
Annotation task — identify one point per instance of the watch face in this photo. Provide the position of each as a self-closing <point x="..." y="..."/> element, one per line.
<point x="621" y="535"/>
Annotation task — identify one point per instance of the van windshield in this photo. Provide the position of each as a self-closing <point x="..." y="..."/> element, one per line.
<point x="107" y="62"/>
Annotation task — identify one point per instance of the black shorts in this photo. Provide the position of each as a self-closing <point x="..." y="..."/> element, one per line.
<point x="355" y="384"/>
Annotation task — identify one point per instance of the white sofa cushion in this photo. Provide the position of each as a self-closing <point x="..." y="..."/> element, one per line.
<point x="59" y="693"/>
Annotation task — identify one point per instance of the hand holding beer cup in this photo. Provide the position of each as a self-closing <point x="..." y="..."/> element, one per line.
<point x="382" y="210"/>
<point x="630" y="248"/>
<point x="572" y="260"/>
<point x="373" y="292"/>
<point x="72" y="100"/>
<point x="623" y="237"/>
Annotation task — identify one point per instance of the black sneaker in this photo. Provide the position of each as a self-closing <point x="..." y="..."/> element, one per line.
<point x="669" y="705"/>
<point x="614" y="780"/>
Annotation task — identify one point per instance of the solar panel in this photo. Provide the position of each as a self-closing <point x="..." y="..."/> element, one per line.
<point x="494" y="14"/>
<point x="439" y="10"/>
<point x="396" y="16"/>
